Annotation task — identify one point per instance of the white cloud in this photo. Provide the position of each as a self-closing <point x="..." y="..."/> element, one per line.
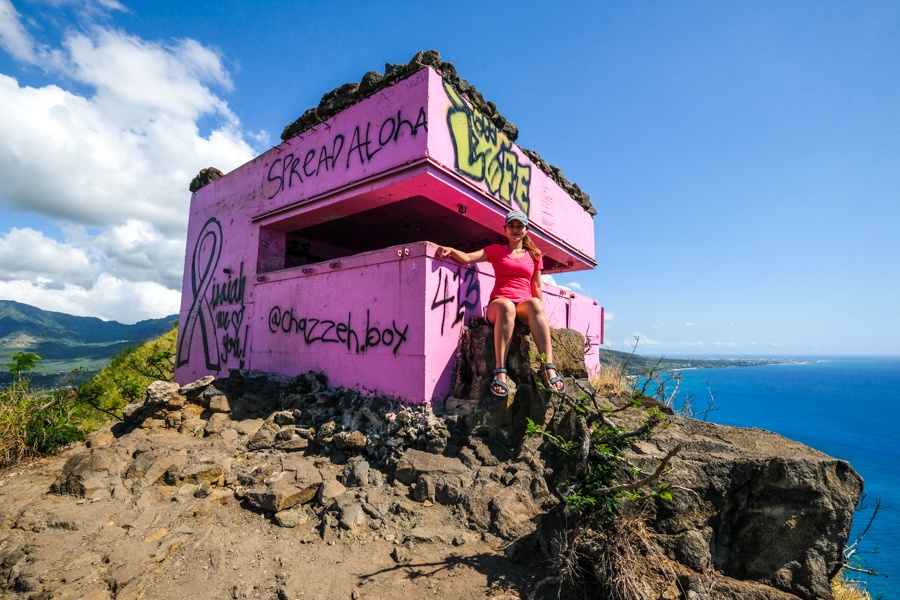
<point x="608" y="316"/>
<point x="642" y="340"/>
<point x="569" y="287"/>
<point x="137" y="79"/>
<point x="690" y="324"/>
<point x="88" y="7"/>
<point x="26" y="254"/>
<point x="110" y="4"/>
<point x="111" y="167"/>
<point x="645" y="341"/>
<point x="110" y="298"/>
<point x="13" y="36"/>
<point x="130" y="150"/>
<point x="136" y="251"/>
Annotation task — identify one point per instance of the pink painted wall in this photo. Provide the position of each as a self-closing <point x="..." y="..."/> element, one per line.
<point x="477" y="151"/>
<point x="386" y="319"/>
<point x="372" y="137"/>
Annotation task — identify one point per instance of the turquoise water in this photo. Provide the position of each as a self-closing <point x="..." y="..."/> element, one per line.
<point x="843" y="406"/>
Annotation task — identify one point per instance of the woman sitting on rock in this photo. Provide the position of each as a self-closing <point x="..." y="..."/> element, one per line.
<point x="516" y="296"/>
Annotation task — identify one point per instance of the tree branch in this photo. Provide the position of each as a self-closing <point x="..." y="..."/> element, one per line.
<point x="851" y="550"/>
<point x="864" y="571"/>
<point x="623" y="435"/>
<point x="625" y="487"/>
<point x="584" y="452"/>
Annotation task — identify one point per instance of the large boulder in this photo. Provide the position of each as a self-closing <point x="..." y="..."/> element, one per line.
<point x="415" y="462"/>
<point x="475" y="369"/>
<point x="753" y="505"/>
<point x="767" y="515"/>
<point x="91" y="473"/>
<point x="297" y="482"/>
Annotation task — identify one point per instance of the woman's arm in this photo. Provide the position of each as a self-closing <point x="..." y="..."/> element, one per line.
<point x="464" y="258"/>
<point x="536" y="290"/>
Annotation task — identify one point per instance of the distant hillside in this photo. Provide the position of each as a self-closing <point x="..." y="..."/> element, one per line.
<point x="637" y="364"/>
<point x="66" y="342"/>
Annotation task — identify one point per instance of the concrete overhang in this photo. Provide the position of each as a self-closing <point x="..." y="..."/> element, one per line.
<point x="419" y="201"/>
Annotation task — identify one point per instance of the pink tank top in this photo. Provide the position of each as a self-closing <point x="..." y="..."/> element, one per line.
<point x="513" y="275"/>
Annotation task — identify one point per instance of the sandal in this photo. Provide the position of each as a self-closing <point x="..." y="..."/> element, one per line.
<point x="501" y="384"/>
<point x="551" y="382"/>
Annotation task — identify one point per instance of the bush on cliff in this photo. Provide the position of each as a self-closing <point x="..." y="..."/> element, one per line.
<point x="126" y="378"/>
<point x="604" y="538"/>
<point x="613" y="448"/>
<point x="844" y="588"/>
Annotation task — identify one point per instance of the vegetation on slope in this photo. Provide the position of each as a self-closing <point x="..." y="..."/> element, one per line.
<point x="844" y="588"/>
<point x="129" y="373"/>
<point x="33" y="421"/>
<point x="635" y="364"/>
<point x="38" y="421"/>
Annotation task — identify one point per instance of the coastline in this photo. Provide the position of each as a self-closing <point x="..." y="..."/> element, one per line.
<point x="635" y="364"/>
<point x="810" y="405"/>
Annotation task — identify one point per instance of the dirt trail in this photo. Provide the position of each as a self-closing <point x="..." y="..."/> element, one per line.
<point x="168" y="543"/>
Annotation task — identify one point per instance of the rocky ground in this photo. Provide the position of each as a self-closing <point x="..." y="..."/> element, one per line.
<point x="259" y="486"/>
<point x="197" y="495"/>
<point x="171" y="542"/>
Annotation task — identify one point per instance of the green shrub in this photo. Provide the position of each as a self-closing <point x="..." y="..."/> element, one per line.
<point x="50" y="429"/>
<point x="34" y="421"/>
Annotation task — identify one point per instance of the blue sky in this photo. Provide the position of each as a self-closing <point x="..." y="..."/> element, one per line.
<point x="744" y="159"/>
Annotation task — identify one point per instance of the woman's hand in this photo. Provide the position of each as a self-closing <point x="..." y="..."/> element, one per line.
<point x="464" y="258"/>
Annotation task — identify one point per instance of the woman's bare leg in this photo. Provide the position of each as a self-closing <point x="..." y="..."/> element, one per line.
<point x="502" y="314"/>
<point x="531" y="312"/>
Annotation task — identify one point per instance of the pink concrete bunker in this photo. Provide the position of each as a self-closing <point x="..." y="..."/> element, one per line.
<point x="318" y="254"/>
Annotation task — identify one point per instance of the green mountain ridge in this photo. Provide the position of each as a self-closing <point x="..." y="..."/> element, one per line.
<point x="17" y="320"/>
<point x="66" y="342"/>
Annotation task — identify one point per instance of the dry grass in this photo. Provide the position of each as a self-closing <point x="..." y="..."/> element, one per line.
<point x="12" y="442"/>
<point x="845" y="589"/>
<point x="35" y="422"/>
<point x="626" y="561"/>
<point x="610" y="379"/>
<point x="17" y="408"/>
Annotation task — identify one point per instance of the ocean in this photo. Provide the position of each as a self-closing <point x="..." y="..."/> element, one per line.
<point x="842" y="406"/>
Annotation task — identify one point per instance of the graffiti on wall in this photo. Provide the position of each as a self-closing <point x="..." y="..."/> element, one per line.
<point x="485" y="154"/>
<point x="205" y="259"/>
<point x="328" y="331"/>
<point x="230" y="319"/>
<point x="468" y="294"/>
<point x="217" y="308"/>
<point x="335" y="154"/>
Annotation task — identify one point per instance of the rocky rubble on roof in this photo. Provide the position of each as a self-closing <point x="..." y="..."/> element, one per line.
<point x="350" y="93"/>
<point x="204" y="177"/>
